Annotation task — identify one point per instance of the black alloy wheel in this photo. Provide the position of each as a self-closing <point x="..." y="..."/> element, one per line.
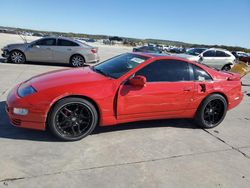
<point x="73" y="119"/>
<point x="212" y="111"/>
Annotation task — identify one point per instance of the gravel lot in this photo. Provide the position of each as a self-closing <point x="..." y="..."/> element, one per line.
<point x="164" y="153"/>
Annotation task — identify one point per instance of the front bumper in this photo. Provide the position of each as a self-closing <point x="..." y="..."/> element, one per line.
<point x="33" y="120"/>
<point x="5" y="53"/>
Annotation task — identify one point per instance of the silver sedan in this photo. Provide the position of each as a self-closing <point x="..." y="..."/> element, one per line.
<point x="52" y="49"/>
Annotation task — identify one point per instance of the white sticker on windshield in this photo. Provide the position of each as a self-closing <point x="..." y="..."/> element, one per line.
<point x="201" y="78"/>
<point x="137" y="60"/>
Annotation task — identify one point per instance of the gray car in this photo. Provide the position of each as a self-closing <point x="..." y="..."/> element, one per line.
<point x="52" y="49"/>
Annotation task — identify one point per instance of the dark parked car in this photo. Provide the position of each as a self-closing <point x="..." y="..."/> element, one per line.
<point x="147" y="49"/>
<point x="241" y="56"/>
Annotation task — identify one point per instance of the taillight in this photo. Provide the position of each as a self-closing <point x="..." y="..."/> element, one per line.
<point x="93" y="51"/>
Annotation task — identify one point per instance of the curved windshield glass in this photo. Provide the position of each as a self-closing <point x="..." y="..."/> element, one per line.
<point x="119" y="65"/>
<point x="195" y="51"/>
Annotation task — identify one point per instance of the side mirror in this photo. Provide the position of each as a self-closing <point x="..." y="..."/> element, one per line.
<point x="138" y="80"/>
<point x="200" y="58"/>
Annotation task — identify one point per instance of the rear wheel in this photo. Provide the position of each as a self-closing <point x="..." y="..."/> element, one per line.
<point x="72" y="119"/>
<point x="17" y="57"/>
<point x="212" y="111"/>
<point x="77" y="61"/>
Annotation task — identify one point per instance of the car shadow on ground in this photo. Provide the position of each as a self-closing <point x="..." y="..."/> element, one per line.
<point x="8" y="131"/>
<point x="2" y="60"/>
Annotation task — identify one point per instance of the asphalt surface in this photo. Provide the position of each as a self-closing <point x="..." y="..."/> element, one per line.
<point x="163" y="153"/>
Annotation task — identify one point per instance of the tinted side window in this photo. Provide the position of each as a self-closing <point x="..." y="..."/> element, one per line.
<point x="209" y="53"/>
<point x="62" y="42"/>
<point x="166" y="71"/>
<point x="200" y="74"/>
<point x="46" y="42"/>
<point x="221" y="54"/>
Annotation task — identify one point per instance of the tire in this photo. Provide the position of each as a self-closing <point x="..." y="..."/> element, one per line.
<point x="72" y="119"/>
<point x="211" y="111"/>
<point x="77" y="61"/>
<point x="17" y="57"/>
<point x="226" y="68"/>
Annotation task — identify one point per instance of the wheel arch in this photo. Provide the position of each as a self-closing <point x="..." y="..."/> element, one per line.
<point x="18" y="50"/>
<point x="219" y="93"/>
<point x="76" y="96"/>
<point x="229" y="63"/>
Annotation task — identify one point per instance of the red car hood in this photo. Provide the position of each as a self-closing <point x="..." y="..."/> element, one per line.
<point x="65" y="77"/>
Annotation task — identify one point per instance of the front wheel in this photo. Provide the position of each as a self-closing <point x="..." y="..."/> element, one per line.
<point x="72" y="119"/>
<point x="17" y="57"/>
<point x="212" y="111"/>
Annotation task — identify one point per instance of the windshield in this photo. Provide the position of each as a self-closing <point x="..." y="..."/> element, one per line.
<point x="195" y="52"/>
<point x="119" y="65"/>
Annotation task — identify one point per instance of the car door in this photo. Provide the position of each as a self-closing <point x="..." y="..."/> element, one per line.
<point x="41" y="50"/>
<point x="168" y="91"/>
<point x="64" y="49"/>
<point x="221" y="59"/>
<point x="208" y="58"/>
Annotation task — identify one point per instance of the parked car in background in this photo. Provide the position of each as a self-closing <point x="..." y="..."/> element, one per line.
<point x="238" y="54"/>
<point x="52" y="49"/>
<point x="129" y="87"/>
<point x="195" y="51"/>
<point x="217" y="58"/>
<point x="177" y="50"/>
<point x="90" y="40"/>
<point x="242" y="56"/>
<point x="147" y="49"/>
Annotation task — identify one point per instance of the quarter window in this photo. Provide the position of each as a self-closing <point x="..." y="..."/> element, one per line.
<point x="221" y="54"/>
<point x="62" y="42"/>
<point x="200" y="74"/>
<point x="166" y="71"/>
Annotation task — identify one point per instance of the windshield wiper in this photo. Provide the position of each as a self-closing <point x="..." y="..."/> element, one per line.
<point x="101" y="72"/>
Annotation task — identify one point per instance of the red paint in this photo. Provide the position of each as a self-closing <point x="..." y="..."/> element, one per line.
<point x="118" y="102"/>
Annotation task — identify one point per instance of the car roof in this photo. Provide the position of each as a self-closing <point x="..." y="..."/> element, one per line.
<point x="221" y="49"/>
<point x="59" y="37"/>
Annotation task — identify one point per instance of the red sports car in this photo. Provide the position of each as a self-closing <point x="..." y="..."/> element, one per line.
<point x="129" y="87"/>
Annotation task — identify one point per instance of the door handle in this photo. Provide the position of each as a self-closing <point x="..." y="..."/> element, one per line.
<point x="48" y="48"/>
<point x="187" y="88"/>
<point x="69" y="49"/>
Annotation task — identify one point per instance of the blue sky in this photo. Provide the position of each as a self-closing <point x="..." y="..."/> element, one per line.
<point x="196" y="21"/>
